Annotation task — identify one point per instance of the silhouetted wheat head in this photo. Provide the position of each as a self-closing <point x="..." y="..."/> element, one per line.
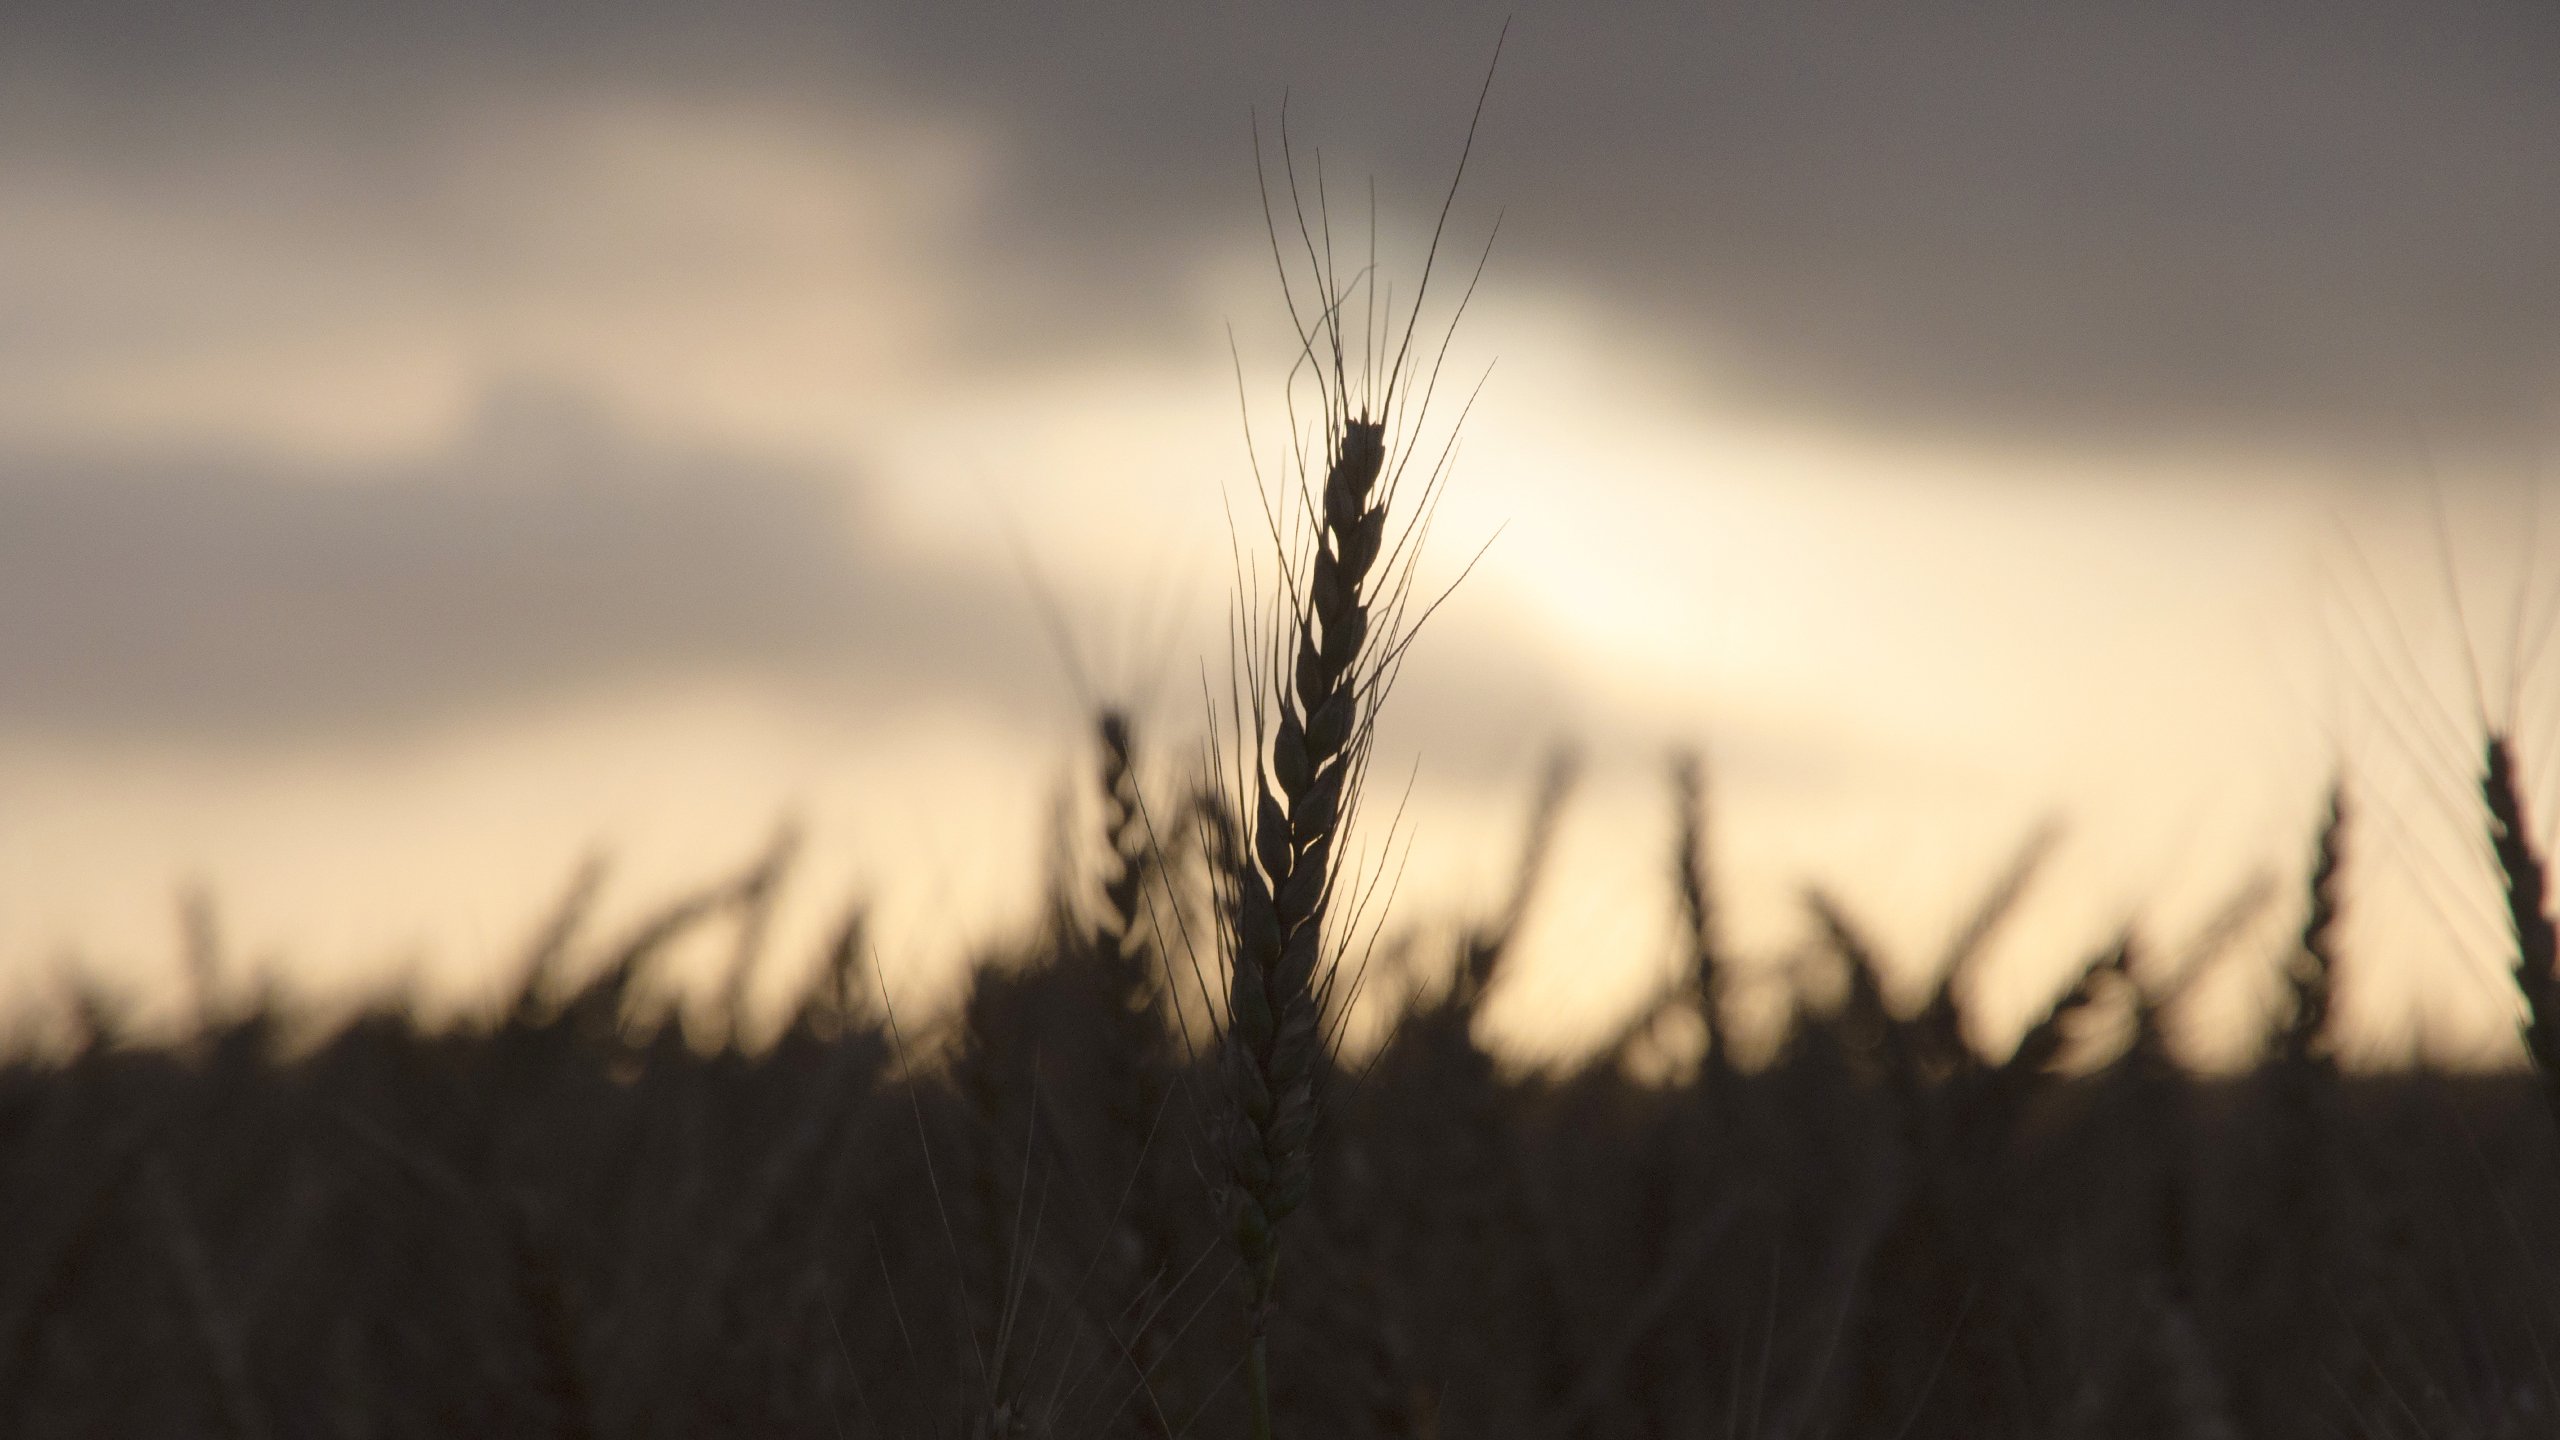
<point x="1706" y="970"/>
<point x="2525" y="882"/>
<point x="1315" y="653"/>
<point x="1125" y="846"/>
<point x="2311" y="976"/>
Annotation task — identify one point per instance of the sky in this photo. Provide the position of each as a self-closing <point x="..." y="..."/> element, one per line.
<point x="438" y="444"/>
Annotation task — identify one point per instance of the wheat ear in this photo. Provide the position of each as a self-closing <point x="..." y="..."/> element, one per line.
<point x="2526" y="883"/>
<point x="1285" y="877"/>
<point x="1697" y="908"/>
<point x="1118" y="935"/>
<point x="2312" y="974"/>
<point x="1315" y="676"/>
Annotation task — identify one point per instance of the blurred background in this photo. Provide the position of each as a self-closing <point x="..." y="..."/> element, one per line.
<point x="438" y="444"/>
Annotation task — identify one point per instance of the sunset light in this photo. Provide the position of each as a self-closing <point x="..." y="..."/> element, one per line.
<point x="449" y="451"/>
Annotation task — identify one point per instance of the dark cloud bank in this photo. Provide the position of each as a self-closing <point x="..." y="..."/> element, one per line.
<point x="2292" y="224"/>
<point x="546" y="552"/>
<point x="2283" y="222"/>
<point x="543" y="553"/>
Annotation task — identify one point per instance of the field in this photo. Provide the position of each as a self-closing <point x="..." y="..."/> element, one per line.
<point x="588" y="1217"/>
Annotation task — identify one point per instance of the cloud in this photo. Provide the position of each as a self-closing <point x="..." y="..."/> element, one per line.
<point x="548" y="551"/>
<point x="2292" y="223"/>
<point x="2278" y="222"/>
<point x="544" y="551"/>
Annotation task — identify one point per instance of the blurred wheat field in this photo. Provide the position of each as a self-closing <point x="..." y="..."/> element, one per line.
<point x="587" y="1215"/>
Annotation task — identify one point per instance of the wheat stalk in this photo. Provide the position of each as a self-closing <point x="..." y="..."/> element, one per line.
<point x="2040" y="1050"/>
<point x="1310" y="673"/>
<point x="2312" y="974"/>
<point x="1697" y="909"/>
<point x="2526" y="885"/>
<point x="1118" y="939"/>
<point x="1284" y="879"/>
